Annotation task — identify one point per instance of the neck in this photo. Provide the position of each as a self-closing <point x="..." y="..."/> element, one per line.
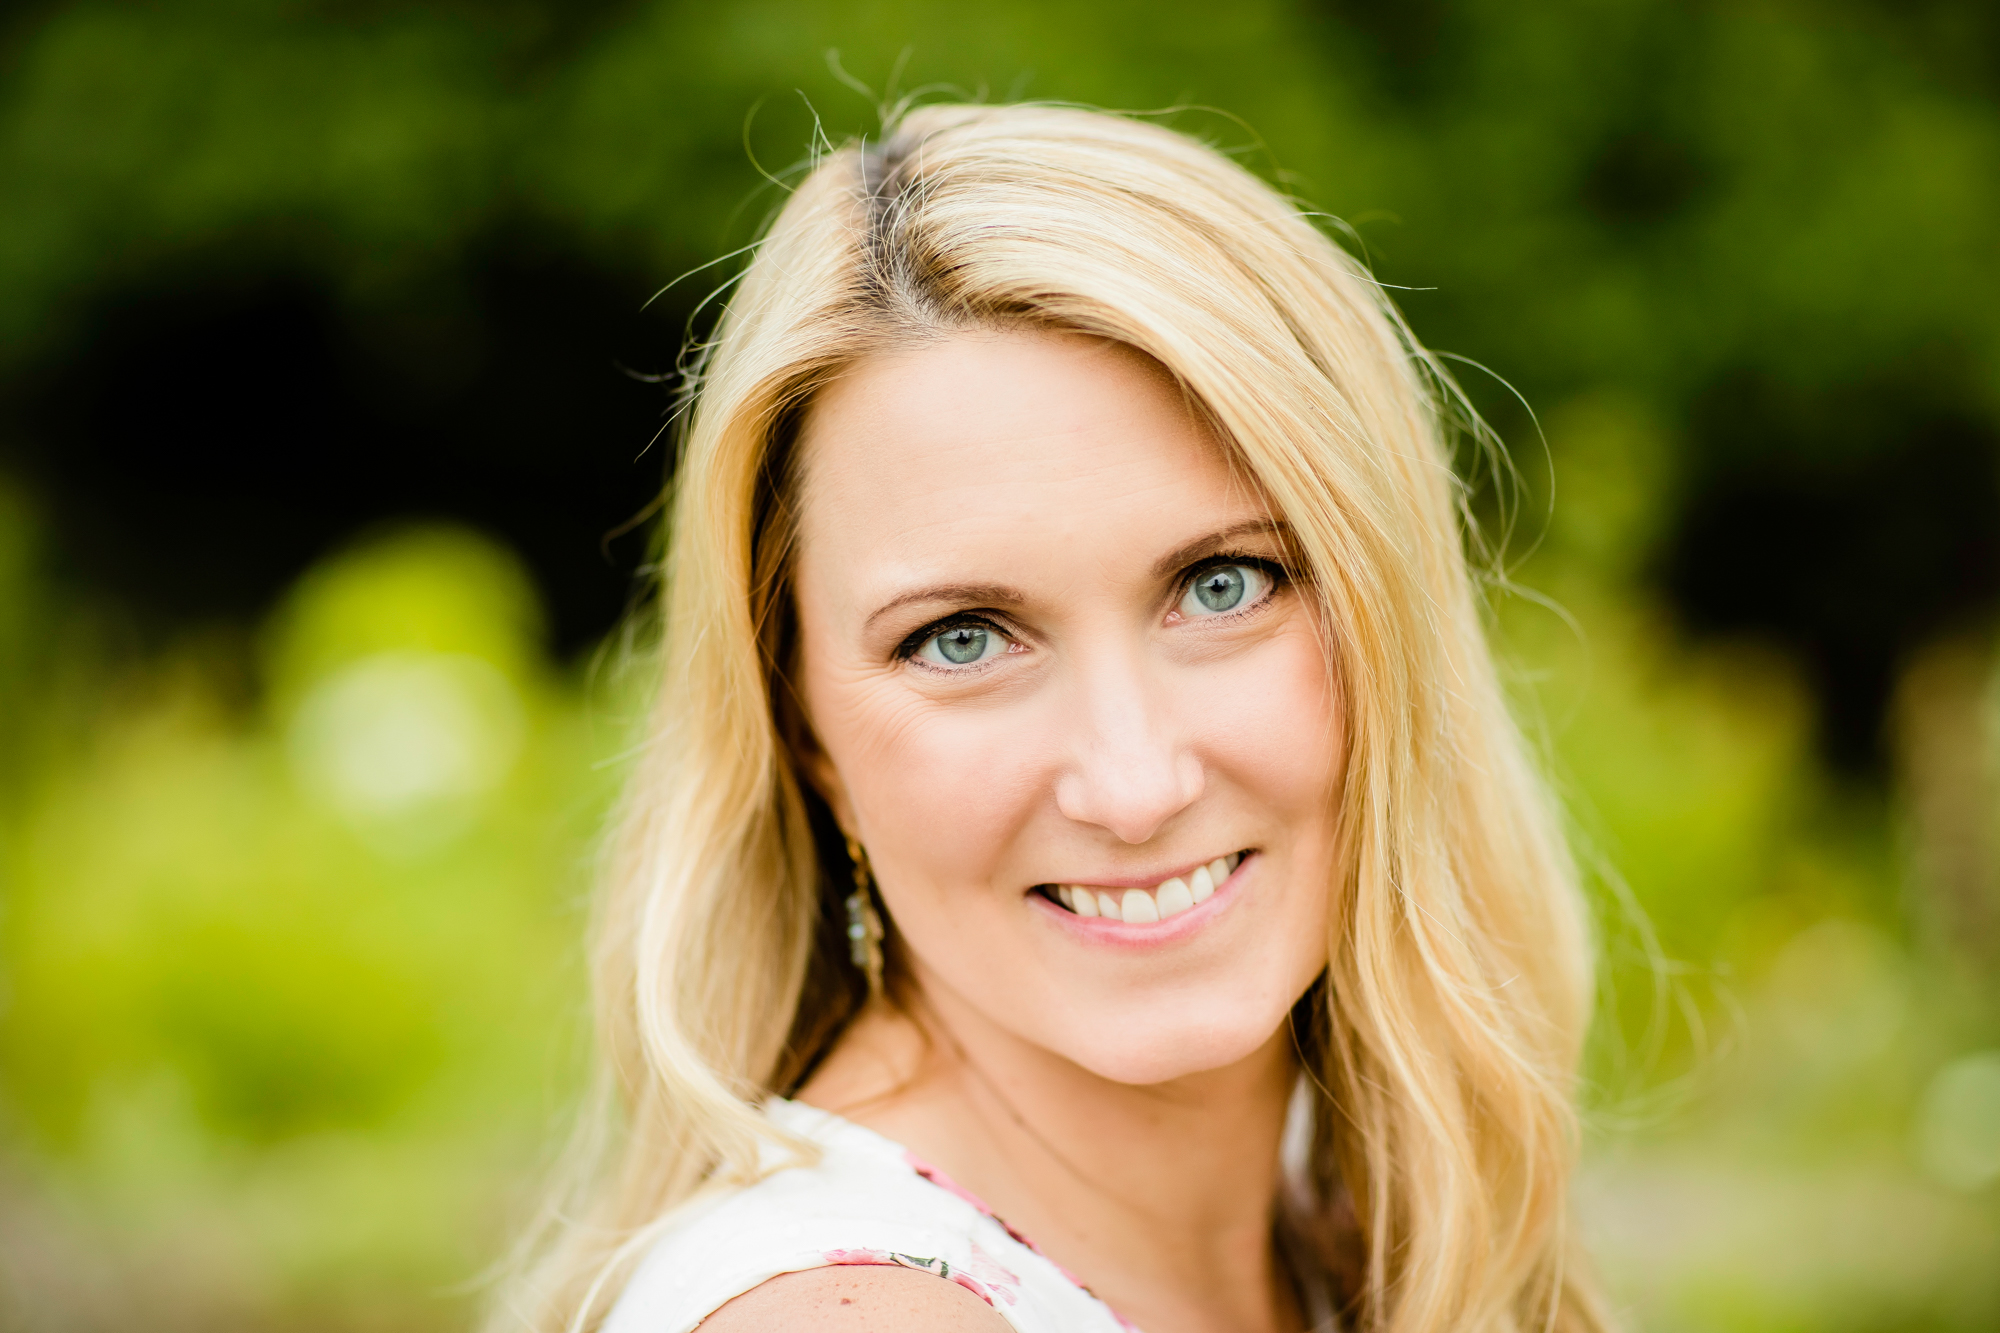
<point x="1159" y="1197"/>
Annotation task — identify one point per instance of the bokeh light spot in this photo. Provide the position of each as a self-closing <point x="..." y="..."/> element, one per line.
<point x="1958" y="1125"/>
<point x="407" y="738"/>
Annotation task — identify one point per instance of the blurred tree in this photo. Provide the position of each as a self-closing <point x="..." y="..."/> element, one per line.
<point x="274" y="273"/>
<point x="293" y="784"/>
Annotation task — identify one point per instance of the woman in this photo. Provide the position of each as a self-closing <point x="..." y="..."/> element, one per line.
<point x="1080" y="794"/>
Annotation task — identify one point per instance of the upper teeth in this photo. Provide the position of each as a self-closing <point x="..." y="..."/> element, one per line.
<point x="1163" y="900"/>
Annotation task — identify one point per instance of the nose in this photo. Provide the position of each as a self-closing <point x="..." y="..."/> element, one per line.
<point x="1130" y="772"/>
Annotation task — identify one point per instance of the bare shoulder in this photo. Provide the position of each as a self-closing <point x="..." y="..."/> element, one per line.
<point x="871" y="1298"/>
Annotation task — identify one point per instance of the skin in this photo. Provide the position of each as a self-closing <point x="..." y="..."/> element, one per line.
<point x="1115" y="1092"/>
<point x="856" y="1300"/>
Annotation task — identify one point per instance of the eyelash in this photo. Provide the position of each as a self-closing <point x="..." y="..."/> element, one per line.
<point x="908" y="648"/>
<point x="1276" y="570"/>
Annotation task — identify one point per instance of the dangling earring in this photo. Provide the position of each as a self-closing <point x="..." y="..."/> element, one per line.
<point x="864" y="925"/>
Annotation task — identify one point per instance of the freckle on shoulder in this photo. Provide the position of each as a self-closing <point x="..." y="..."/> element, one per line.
<point x="853" y="1298"/>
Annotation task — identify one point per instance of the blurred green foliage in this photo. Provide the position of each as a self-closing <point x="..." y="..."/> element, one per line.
<point x="289" y="981"/>
<point x="289" y="940"/>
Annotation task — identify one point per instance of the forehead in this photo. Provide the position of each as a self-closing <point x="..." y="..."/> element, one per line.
<point x="991" y="433"/>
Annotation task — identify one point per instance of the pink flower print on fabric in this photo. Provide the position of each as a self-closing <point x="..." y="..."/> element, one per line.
<point x="988" y="1277"/>
<point x="837" y="1257"/>
<point x="985" y="1278"/>
<point x="937" y="1177"/>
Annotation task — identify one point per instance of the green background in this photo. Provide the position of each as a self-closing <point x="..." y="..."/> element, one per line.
<point x="293" y="882"/>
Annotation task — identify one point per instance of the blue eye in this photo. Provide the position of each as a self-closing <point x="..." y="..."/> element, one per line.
<point x="962" y="645"/>
<point x="1221" y="588"/>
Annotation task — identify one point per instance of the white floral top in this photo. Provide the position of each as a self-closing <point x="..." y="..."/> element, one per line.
<point x="869" y="1201"/>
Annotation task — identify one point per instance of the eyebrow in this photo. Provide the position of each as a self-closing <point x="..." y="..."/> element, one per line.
<point x="1001" y="594"/>
<point x="992" y="593"/>
<point x="1176" y="560"/>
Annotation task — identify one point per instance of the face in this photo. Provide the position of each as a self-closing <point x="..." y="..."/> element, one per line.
<point x="1067" y="695"/>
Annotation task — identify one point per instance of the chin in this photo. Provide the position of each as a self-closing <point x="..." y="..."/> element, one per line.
<point x="1161" y="1053"/>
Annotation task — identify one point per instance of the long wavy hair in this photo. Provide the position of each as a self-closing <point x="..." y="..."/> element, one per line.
<point x="1444" y="1038"/>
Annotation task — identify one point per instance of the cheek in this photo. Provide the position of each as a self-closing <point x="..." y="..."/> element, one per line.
<point x="956" y="806"/>
<point x="939" y="793"/>
<point x="1270" y="726"/>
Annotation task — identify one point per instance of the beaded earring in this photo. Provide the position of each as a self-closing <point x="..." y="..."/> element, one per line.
<point x="864" y="924"/>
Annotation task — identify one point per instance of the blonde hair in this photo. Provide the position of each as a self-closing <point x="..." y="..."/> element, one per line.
<point x="1446" y="1034"/>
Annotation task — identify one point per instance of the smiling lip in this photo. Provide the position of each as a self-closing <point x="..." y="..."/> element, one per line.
<point x="1145" y="902"/>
